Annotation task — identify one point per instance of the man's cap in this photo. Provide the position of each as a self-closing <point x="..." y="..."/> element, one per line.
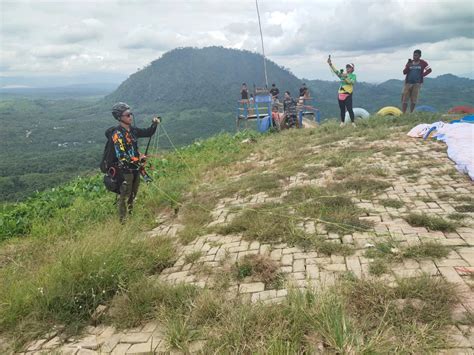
<point x="350" y="65"/>
<point x="118" y="109"/>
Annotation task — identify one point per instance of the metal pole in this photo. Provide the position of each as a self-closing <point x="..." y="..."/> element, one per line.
<point x="263" y="48"/>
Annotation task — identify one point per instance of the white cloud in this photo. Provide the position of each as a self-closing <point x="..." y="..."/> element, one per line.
<point x="120" y="36"/>
<point x="85" y="30"/>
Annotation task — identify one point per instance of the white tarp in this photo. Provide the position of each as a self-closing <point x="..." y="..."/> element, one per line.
<point x="460" y="140"/>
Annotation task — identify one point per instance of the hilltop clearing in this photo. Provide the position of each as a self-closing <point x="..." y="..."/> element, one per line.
<point x="347" y="240"/>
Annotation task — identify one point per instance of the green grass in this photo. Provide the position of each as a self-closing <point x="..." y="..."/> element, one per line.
<point x="426" y="250"/>
<point x="81" y="275"/>
<point x="354" y="316"/>
<point x="272" y="223"/>
<point x="251" y="184"/>
<point x="388" y="251"/>
<point x="259" y="268"/>
<point x="408" y="171"/>
<point x="54" y="247"/>
<point x="433" y="223"/>
<point x="75" y="255"/>
<point x="193" y="257"/>
<point x="465" y="208"/>
<point x="457" y="216"/>
<point x="392" y="203"/>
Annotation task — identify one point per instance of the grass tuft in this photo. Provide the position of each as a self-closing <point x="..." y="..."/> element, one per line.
<point x="392" y="203"/>
<point x="430" y="222"/>
<point x="260" y="268"/>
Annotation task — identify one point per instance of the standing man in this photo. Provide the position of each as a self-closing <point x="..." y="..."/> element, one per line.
<point x="415" y="70"/>
<point x="130" y="160"/>
<point x="274" y="92"/>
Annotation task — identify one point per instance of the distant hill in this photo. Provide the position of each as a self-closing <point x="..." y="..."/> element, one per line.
<point x="190" y="78"/>
<point x="93" y="90"/>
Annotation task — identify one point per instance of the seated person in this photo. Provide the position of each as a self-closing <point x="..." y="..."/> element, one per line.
<point x="277" y="117"/>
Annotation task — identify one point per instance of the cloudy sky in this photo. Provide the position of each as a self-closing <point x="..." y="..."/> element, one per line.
<point x="106" y="40"/>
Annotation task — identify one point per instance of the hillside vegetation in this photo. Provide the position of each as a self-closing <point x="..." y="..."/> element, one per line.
<point x="49" y="141"/>
<point x="313" y="191"/>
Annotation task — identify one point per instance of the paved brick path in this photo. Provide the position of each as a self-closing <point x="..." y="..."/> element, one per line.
<point x="311" y="269"/>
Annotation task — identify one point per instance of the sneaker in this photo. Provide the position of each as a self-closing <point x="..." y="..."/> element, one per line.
<point x="353" y="124"/>
<point x="342" y="124"/>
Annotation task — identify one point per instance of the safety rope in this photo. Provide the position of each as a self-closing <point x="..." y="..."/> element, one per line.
<point x="263" y="48"/>
<point x="344" y="226"/>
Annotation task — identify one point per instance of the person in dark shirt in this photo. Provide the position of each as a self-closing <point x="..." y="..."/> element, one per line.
<point x="289" y="107"/>
<point x="244" y="92"/>
<point x="415" y="70"/>
<point x="125" y="139"/>
<point x="304" y="90"/>
<point x="274" y="92"/>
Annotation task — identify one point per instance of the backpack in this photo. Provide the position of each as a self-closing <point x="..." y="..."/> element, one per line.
<point x="109" y="158"/>
<point x="109" y="164"/>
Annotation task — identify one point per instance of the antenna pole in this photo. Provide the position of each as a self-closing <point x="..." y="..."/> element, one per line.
<point x="263" y="48"/>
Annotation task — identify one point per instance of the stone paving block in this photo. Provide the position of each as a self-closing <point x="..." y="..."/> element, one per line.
<point x="290" y="251"/>
<point x="237" y="248"/>
<point x="406" y="273"/>
<point x="121" y="349"/>
<point x="457" y="338"/>
<point x="141" y="348"/>
<point x="286" y="269"/>
<point x="323" y="261"/>
<point x="451" y="275"/>
<point x="135" y="338"/>
<point x="452" y="242"/>
<point x="35" y="345"/>
<point x="264" y="295"/>
<point x="298" y="275"/>
<point x="287" y="259"/>
<point x="91" y="342"/>
<point x="213" y="251"/>
<point x="298" y="265"/>
<point x="312" y="271"/>
<point x="337" y="259"/>
<point x="86" y="352"/>
<point x="335" y="267"/>
<point x="347" y="239"/>
<point x="353" y="264"/>
<point x="251" y="287"/>
<point x="276" y="254"/>
<point x="451" y="262"/>
<point x="410" y="264"/>
<point x="428" y="267"/>
<point x="109" y="343"/>
<point x="327" y="279"/>
<point x="254" y="245"/>
<point x="264" y="249"/>
<point x="247" y="252"/>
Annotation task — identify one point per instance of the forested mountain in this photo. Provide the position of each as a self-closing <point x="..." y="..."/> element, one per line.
<point x="47" y="139"/>
<point x="188" y="78"/>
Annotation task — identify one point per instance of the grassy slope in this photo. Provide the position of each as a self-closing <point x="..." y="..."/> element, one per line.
<point x="77" y="256"/>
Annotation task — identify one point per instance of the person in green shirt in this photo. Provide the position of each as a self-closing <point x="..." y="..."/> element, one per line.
<point x="345" y="91"/>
